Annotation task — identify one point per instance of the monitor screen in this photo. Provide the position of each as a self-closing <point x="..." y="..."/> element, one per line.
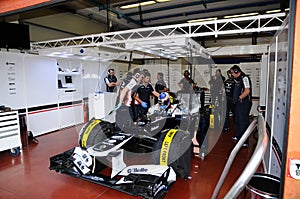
<point x="14" y="36"/>
<point x="68" y="79"/>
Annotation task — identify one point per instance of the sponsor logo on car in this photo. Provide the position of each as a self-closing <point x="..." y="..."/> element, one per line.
<point x="137" y="170"/>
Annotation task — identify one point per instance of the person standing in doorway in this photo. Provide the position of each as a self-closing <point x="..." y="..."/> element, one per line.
<point x="242" y="98"/>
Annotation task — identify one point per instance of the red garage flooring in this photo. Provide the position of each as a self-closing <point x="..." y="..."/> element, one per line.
<point x="28" y="176"/>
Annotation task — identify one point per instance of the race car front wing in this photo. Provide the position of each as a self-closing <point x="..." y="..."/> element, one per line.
<point x="149" y="181"/>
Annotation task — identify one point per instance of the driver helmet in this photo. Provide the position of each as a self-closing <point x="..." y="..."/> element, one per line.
<point x="164" y="100"/>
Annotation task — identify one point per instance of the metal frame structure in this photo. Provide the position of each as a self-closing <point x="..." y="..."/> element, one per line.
<point x="169" y="42"/>
<point x="118" y="40"/>
<point x="253" y="163"/>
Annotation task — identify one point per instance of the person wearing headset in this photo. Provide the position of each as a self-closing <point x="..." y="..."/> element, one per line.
<point x="111" y="81"/>
<point x="242" y="98"/>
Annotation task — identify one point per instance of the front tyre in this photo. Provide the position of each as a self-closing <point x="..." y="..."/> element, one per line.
<point x="93" y="132"/>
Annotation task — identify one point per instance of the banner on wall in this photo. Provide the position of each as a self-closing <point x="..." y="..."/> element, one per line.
<point x="11" y="78"/>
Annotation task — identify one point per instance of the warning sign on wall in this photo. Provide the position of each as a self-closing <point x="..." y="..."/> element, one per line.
<point x="294" y="169"/>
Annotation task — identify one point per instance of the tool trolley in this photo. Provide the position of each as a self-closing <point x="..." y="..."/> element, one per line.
<point x="10" y="132"/>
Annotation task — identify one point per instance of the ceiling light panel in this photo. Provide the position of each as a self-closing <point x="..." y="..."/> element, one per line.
<point x="162" y="1"/>
<point x="241" y="15"/>
<point x="134" y="5"/>
<point x="201" y="20"/>
<point x="273" y="11"/>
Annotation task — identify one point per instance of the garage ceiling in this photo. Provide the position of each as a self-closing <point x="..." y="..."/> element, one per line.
<point x="68" y="17"/>
<point x="111" y="13"/>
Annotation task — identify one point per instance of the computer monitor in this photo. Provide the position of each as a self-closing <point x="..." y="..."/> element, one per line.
<point x="68" y="79"/>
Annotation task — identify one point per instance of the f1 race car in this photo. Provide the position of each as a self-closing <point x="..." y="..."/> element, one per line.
<point x="144" y="158"/>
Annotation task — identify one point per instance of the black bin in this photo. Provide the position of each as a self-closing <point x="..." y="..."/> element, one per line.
<point x="23" y="130"/>
<point x="263" y="185"/>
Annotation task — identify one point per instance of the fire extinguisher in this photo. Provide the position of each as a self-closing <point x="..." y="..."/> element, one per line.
<point x="85" y="113"/>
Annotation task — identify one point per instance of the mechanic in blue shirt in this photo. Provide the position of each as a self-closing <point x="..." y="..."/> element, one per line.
<point x="111" y="81"/>
<point x="142" y="96"/>
<point x="242" y="97"/>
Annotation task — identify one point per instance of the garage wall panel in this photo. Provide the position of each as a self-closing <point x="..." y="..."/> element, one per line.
<point x="41" y="80"/>
<point x="12" y="86"/>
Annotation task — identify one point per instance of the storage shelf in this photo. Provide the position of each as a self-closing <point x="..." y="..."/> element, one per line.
<point x="68" y="90"/>
<point x="69" y="73"/>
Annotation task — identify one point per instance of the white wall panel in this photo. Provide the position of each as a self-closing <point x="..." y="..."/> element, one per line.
<point x="90" y="77"/>
<point x="277" y="99"/>
<point x="43" y="122"/>
<point x="175" y="76"/>
<point x="12" y="85"/>
<point x="70" y="115"/>
<point x="41" y="80"/>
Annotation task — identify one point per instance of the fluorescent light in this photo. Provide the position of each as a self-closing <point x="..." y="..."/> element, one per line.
<point x="241" y="15"/>
<point x="146" y="3"/>
<point x="130" y="6"/>
<point x="287" y="9"/>
<point x="161" y="1"/>
<point x="273" y="11"/>
<point x="201" y="20"/>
